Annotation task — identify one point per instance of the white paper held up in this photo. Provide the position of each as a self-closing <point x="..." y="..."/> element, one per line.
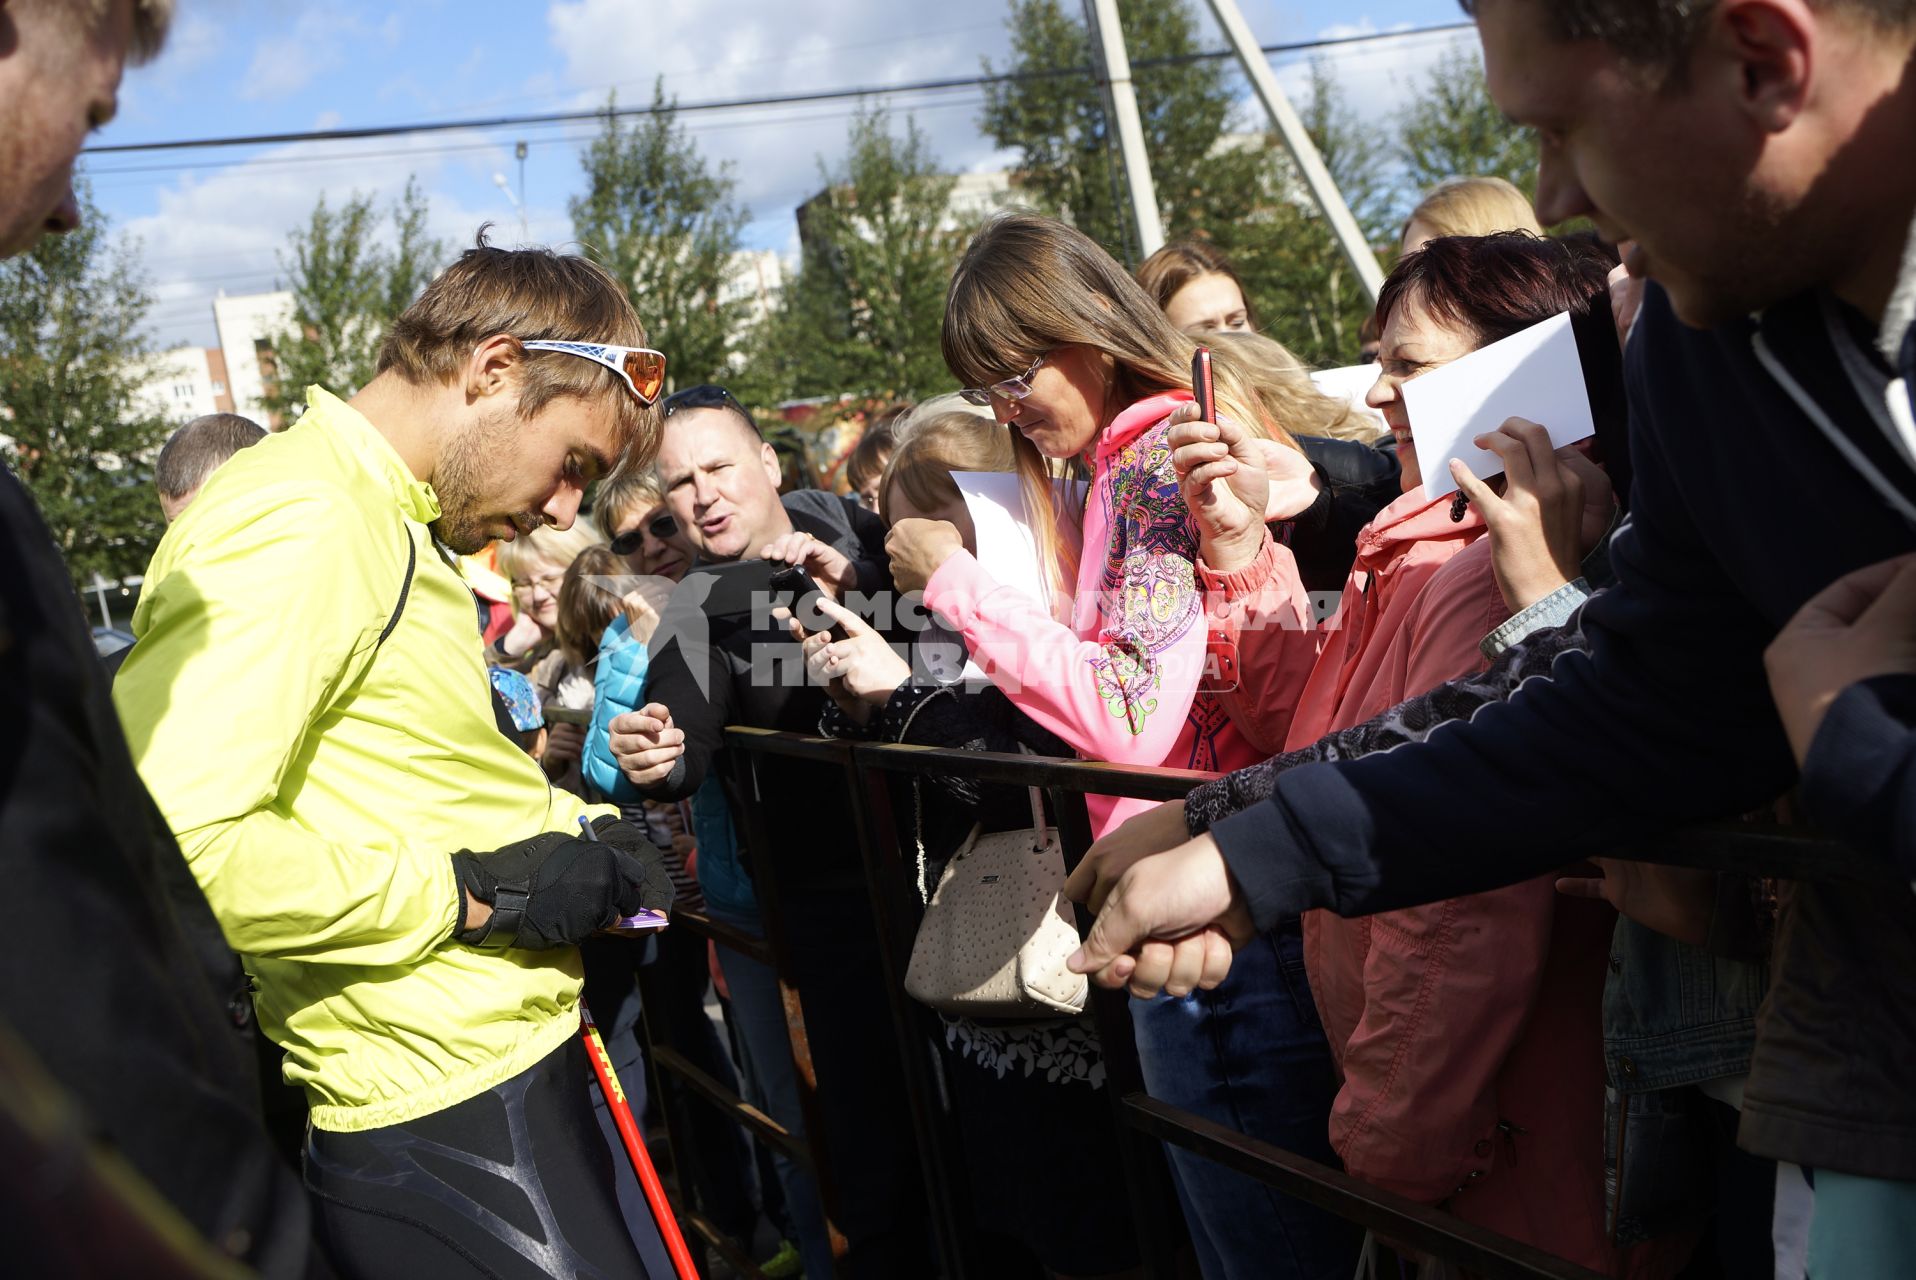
<point x="1007" y="546"/>
<point x="1534" y="374"/>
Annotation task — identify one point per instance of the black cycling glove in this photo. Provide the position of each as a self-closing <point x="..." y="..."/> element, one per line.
<point x="554" y="889"/>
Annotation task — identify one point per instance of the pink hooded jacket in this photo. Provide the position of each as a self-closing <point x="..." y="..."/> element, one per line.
<point x="1469" y="1032"/>
<point x="1121" y="683"/>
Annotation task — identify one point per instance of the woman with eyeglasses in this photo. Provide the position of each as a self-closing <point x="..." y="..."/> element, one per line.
<point x="1083" y="369"/>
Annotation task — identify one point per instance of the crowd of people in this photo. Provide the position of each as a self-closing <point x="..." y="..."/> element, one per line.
<point x="428" y="700"/>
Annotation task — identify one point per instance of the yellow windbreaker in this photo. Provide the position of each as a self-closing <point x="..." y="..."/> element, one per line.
<point x="318" y="780"/>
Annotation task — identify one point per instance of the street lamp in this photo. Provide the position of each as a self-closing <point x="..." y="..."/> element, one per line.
<point x="499" y="180"/>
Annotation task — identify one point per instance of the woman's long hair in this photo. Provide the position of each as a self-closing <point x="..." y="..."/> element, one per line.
<point x="1028" y="285"/>
<point x="1280" y="384"/>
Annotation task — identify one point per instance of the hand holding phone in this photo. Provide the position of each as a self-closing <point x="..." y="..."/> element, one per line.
<point x="793" y="588"/>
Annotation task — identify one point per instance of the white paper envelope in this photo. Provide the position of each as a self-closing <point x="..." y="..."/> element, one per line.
<point x="1007" y="544"/>
<point x="1534" y="374"/>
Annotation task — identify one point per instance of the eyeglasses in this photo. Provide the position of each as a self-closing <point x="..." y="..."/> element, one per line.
<point x="660" y="526"/>
<point x="706" y="395"/>
<point x="546" y="582"/>
<point x="1010" y="389"/>
<point x="642" y="368"/>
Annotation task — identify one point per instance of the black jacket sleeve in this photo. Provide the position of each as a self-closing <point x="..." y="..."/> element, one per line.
<point x="1359" y="480"/>
<point x="1666" y="718"/>
<point x="1860" y="777"/>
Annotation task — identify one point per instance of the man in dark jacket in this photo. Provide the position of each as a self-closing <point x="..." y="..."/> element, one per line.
<point x="1757" y="152"/>
<point x="118" y="981"/>
<point x="711" y="668"/>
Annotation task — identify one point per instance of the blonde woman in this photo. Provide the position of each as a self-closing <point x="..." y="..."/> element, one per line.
<point x="1083" y="368"/>
<point x="535" y="565"/>
<point x="1468" y="207"/>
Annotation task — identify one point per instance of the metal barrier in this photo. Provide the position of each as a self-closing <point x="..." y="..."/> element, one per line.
<point x="1143" y="1122"/>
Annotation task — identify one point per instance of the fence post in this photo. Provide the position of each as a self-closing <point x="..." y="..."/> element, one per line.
<point x="896" y="914"/>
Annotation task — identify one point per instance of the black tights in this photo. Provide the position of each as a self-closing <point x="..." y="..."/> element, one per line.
<point x="516" y="1182"/>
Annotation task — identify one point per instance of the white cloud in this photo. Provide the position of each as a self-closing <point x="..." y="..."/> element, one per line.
<point x="230" y="230"/>
<point x="1378" y="78"/>
<point x="318" y="43"/>
<point x="783" y="48"/>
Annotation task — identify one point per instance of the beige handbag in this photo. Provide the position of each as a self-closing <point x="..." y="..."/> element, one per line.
<point x="997" y="932"/>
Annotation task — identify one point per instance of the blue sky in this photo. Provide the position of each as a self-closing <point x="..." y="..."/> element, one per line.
<point x="208" y="220"/>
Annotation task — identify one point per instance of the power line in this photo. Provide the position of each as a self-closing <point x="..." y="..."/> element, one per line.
<point x="451" y="148"/>
<point x="729" y="104"/>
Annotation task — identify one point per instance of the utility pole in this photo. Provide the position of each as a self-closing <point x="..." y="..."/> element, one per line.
<point x="1108" y="40"/>
<point x="1303" y="151"/>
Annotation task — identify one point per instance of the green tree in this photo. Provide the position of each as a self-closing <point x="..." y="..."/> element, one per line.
<point x="72" y="360"/>
<point x="348" y="287"/>
<point x="878" y="246"/>
<point x="1453" y="129"/>
<point x="1068" y="146"/>
<point x="662" y="220"/>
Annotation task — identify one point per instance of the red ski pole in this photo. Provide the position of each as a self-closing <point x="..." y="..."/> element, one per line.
<point x="635" y="1148"/>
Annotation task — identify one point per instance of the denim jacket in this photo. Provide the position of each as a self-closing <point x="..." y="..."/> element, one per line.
<point x="1674" y="1015"/>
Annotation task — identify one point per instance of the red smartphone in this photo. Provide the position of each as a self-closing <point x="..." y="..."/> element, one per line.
<point x="1201" y="384"/>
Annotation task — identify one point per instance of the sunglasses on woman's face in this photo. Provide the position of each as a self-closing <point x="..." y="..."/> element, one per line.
<point x="660" y="526"/>
<point x="641" y="368"/>
<point x="1010" y="389"/>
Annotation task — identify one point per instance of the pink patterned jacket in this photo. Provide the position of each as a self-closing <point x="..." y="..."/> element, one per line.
<point x="1122" y="681"/>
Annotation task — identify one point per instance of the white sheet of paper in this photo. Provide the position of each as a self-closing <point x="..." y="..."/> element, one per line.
<point x="1534" y="374"/>
<point x="1007" y="547"/>
<point x="1352" y="383"/>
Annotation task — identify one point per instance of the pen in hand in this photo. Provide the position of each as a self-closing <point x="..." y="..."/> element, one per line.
<point x="644" y="920"/>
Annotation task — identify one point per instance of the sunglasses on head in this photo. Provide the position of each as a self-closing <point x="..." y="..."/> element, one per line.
<point x="1010" y="389"/>
<point x="660" y="526"/>
<point x="642" y="368"/>
<point x="706" y="395"/>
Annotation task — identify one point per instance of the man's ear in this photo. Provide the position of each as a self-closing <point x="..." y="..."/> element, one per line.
<point x="768" y="458"/>
<point x="1773" y="45"/>
<point x="494" y="367"/>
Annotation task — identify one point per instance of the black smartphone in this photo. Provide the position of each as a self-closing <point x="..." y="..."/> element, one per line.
<point x="795" y="589"/>
<point x="566" y="715"/>
<point x="730" y="591"/>
<point x="1201" y="384"/>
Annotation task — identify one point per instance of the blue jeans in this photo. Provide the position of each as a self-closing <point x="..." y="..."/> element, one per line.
<point x="1251" y="1056"/>
<point x="758" y="1015"/>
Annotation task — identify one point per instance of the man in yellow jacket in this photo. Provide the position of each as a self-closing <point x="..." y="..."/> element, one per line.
<point x="309" y="706"/>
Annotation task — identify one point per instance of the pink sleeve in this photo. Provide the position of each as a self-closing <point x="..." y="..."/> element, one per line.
<point x="1122" y="696"/>
<point x="1264" y="641"/>
<point x="1448" y="991"/>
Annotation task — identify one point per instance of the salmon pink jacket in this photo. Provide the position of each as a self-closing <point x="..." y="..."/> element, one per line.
<point x="1121" y="681"/>
<point x="1468" y="1031"/>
